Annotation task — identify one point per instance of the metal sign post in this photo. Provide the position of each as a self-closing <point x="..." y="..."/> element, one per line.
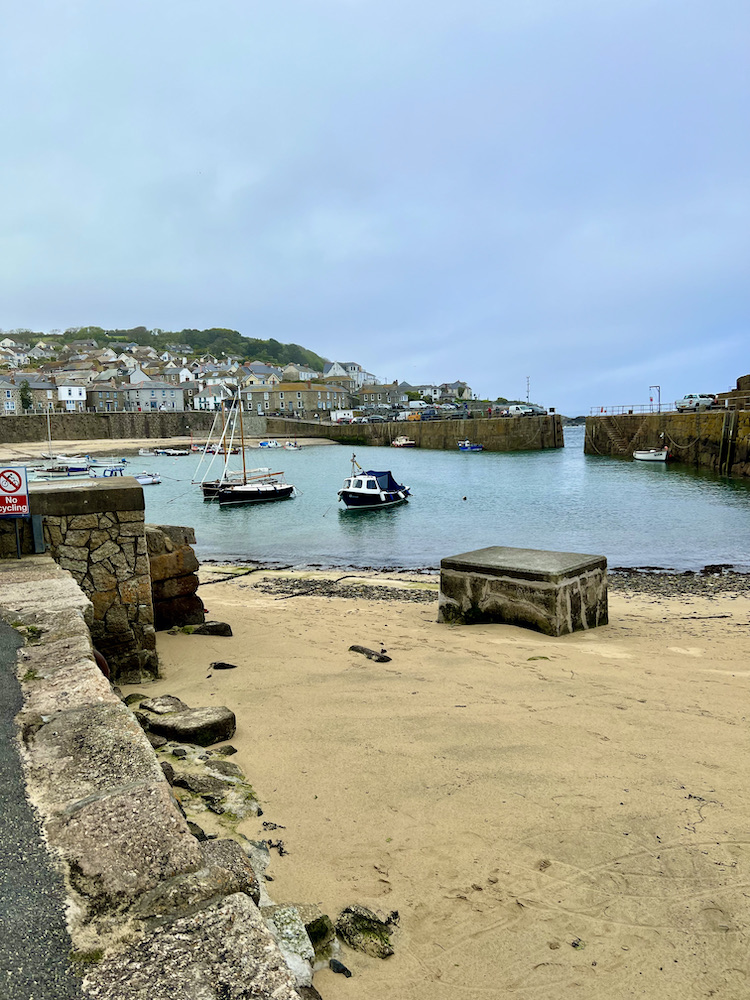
<point x="14" y="497"/>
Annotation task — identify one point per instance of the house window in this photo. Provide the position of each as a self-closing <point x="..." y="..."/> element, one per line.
<point x="265" y="405"/>
<point x="319" y="395"/>
<point x="49" y="394"/>
<point x="379" y="396"/>
<point x="7" y="393"/>
<point x="70" y="392"/>
<point x="281" y="395"/>
<point x="9" y="404"/>
<point x="100" y="395"/>
<point x="265" y="395"/>
<point x="153" y="392"/>
<point x="299" y="395"/>
<point x="172" y="393"/>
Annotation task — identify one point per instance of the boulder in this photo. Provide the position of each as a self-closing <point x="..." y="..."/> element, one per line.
<point x="226" y="870"/>
<point x="163" y="704"/>
<point x="365" y="931"/>
<point x="203" y="726"/>
<point x="212" y="628"/>
<point x="285" y="924"/>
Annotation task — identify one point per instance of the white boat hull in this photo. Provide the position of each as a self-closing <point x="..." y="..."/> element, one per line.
<point x="651" y="455"/>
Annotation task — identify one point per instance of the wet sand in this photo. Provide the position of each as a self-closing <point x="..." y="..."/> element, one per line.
<point x="32" y="450"/>
<point x="550" y="817"/>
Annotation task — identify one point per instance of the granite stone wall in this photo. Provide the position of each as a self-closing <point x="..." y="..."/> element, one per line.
<point x="99" y="535"/>
<point x="715" y="440"/>
<point x="173" y="566"/>
<point x="493" y="433"/>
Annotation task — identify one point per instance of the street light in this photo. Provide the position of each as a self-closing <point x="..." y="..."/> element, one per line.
<point x="658" y="397"/>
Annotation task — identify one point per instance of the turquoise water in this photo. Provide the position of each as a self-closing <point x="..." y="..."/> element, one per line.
<point x="635" y="513"/>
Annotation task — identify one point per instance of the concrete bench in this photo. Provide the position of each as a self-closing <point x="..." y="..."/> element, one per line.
<point x="551" y="592"/>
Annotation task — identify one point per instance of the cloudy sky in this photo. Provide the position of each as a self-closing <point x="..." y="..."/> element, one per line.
<point x="452" y="189"/>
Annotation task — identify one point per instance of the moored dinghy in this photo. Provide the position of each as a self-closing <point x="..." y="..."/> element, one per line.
<point x="369" y="490"/>
<point x="652" y="455"/>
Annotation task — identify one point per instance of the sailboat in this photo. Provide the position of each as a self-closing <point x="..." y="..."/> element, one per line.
<point x="257" y="489"/>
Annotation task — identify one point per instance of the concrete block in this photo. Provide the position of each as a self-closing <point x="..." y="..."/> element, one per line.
<point x="224" y="950"/>
<point x="551" y="592"/>
<point x="122" y="843"/>
<point x="89" y="750"/>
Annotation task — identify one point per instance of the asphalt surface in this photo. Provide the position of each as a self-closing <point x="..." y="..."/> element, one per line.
<point x="34" y="942"/>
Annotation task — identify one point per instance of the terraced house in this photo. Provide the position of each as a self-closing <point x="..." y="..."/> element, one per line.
<point x="297" y="398"/>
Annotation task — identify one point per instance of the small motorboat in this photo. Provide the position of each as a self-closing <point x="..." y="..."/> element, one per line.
<point x="106" y="471"/>
<point x="369" y="490"/>
<point x="652" y="455"/>
<point x="293" y="446"/>
<point x="146" y="453"/>
<point x="147" y="478"/>
<point x="269" y="444"/>
<point x="403" y="442"/>
<point x="171" y="452"/>
<point x="469" y="446"/>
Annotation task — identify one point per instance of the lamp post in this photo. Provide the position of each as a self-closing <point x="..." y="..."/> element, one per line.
<point x="658" y="397"/>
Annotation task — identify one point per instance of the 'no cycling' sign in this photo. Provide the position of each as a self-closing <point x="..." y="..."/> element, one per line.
<point x="14" y="492"/>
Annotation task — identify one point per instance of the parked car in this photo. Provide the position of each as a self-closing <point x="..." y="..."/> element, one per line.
<point x="695" y="401"/>
<point x="376" y="418"/>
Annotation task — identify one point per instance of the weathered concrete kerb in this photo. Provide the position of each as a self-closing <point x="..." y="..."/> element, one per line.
<point x="494" y="434"/>
<point x="152" y="913"/>
<point x="716" y="440"/>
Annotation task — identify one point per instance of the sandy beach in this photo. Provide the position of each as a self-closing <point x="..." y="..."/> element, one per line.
<point x="549" y="816"/>
<point x="31" y="450"/>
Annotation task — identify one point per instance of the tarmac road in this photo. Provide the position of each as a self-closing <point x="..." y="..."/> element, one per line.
<point x="34" y="942"/>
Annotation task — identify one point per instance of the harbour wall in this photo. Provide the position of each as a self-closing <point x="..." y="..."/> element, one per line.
<point x="494" y="434"/>
<point x="715" y="440"/>
<point x="24" y="429"/>
<point x="138" y="578"/>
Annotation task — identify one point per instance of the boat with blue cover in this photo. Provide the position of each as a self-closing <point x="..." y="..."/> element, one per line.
<point x="369" y="490"/>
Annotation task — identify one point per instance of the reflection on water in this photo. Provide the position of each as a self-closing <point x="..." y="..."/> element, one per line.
<point x="635" y="513"/>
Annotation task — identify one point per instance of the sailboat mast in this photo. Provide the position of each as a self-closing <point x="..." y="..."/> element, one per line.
<point x="242" y="441"/>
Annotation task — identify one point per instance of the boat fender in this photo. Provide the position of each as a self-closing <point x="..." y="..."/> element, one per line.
<point x="382" y="496"/>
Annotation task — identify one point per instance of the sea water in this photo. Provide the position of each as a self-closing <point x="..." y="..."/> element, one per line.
<point x="634" y="513"/>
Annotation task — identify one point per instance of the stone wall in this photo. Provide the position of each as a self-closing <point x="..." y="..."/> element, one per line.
<point x="173" y="566"/>
<point x="93" y="426"/>
<point x="715" y="440"/>
<point x="96" y="530"/>
<point x="495" y="433"/>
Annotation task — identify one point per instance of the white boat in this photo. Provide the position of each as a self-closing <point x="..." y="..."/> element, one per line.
<point x="652" y="455"/>
<point x="403" y="442"/>
<point x="269" y="444"/>
<point x="148" y="478"/>
<point x="293" y="446"/>
<point x="146" y="453"/>
<point x="469" y="446"/>
<point x="172" y="452"/>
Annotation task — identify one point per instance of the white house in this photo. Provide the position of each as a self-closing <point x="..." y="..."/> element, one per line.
<point x="71" y="397"/>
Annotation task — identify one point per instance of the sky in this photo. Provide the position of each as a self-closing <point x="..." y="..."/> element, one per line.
<point x="556" y="190"/>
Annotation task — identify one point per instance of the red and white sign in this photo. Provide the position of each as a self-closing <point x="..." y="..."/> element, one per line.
<point x="14" y="492"/>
